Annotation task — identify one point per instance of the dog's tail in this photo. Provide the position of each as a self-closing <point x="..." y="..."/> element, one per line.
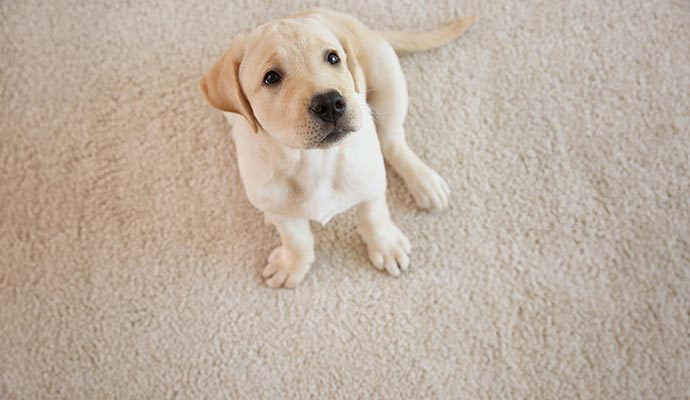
<point x="411" y="42"/>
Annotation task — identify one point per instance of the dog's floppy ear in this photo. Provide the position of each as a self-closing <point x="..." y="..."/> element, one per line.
<point x="221" y="85"/>
<point x="353" y="65"/>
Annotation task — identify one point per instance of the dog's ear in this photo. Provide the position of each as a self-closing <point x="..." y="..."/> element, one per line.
<point x="353" y="65"/>
<point x="221" y="85"/>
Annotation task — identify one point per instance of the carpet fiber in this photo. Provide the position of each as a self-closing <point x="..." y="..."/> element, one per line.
<point x="130" y="258"/>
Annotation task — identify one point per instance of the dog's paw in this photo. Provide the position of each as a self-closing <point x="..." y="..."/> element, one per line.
<point x="389" y="249"/>
<point x="285" y="268"/>
<point x="429" y="190"/>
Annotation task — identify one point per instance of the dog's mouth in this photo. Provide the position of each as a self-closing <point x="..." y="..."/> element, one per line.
<point x="333" y="137"/>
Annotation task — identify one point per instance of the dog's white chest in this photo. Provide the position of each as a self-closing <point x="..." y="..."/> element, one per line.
<point x="320" y="198"/>
<point x="312" y="184"/>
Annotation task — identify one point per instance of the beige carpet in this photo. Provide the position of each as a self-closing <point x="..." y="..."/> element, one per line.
<point x="130" y="258"/>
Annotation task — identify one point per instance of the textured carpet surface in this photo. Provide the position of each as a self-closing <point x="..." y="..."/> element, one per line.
<point x="130" y="258"/>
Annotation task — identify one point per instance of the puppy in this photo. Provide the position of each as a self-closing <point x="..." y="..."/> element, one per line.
<point x="317" y="101"/>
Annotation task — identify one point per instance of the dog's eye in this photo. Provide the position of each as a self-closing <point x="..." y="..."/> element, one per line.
<point x="332" y="58"/>
<point x="271" y="77"/>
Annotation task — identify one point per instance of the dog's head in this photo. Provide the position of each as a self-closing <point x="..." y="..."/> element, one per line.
<point x="294" y="78"/>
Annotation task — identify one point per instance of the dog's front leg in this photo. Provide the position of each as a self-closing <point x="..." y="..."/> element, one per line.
<point x="289" y="263"/>
<point x="388" y="247"/>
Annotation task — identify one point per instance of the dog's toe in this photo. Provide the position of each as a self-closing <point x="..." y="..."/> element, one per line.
<point x="428" y="189"/>
<point x="389" y="250"/>
<point x="284" y="269"/>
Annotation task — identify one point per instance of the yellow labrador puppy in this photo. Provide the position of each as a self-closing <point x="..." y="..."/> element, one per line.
<point x="317" y="101"/>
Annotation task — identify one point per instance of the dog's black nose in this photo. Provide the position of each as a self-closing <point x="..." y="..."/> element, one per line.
<point x="328" y="106"/>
